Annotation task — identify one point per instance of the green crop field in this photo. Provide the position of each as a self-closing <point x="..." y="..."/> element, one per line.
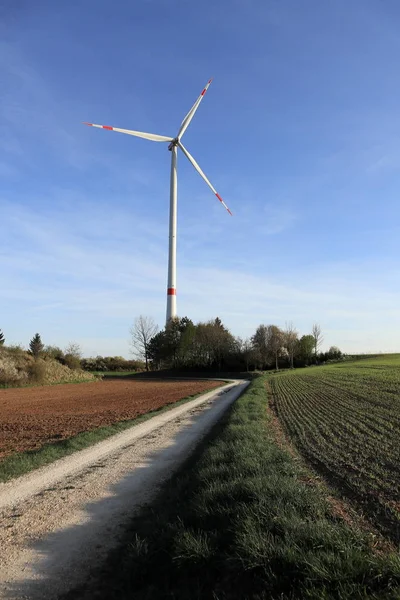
<point x="345" y="419"/>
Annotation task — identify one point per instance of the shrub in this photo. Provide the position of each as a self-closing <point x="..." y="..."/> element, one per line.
<point x="53" y="352"/>
<point x="72" y="361"/>
<point x="74" y="349"/>
<point x="111" y="363"/>
<point x="15" y="349"/>
<point x="9" y="372"/>
<point x="37" y="371"/>
<point x="18" y="367"/>
<point x="57" y="373"/>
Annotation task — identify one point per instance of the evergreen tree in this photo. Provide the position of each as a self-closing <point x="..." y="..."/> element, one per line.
<point x="36" y="346"/>
<point x="2" y="338"/>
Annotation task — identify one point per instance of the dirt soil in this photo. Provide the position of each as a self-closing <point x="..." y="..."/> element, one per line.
<point x="32" y="417"/>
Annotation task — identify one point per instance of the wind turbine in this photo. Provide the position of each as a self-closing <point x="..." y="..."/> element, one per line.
<point x="174" y="144"/>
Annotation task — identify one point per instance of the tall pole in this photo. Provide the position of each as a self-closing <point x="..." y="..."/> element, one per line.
<point x="171" y="287"/>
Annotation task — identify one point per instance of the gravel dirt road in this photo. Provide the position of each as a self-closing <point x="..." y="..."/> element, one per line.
<point x="60" y="521"/>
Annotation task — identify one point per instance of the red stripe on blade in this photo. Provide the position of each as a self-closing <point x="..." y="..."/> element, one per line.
<point x="90" y="124"/>
<point x="171" y="292"/>
<point x="107" y="127"/>
<point x="223" y="203"/>
<point x="203" y="92"/>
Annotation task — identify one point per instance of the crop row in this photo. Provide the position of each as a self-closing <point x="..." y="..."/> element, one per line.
<point x="348" y="428"/>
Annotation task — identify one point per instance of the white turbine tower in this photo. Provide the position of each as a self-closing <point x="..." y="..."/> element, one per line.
<point x="174" y="144"/>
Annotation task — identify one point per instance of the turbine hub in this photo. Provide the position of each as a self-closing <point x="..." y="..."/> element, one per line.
<point x="173" y="143"/>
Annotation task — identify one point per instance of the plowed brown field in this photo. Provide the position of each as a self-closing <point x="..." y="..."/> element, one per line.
<point x="31" y="417"/>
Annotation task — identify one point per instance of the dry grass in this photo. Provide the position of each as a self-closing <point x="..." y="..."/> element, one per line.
<point x="18" y="368"/>
<point x="54" y="372"/>
<point x="14" y="366"/>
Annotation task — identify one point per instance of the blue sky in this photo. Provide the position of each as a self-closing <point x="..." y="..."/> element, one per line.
<point x="299" y="132"/>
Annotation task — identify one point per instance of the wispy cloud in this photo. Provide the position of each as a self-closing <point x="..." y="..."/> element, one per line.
<point x="67" y="265"/>
<point x="275" y="219"/>
<point x="32" y="111"/>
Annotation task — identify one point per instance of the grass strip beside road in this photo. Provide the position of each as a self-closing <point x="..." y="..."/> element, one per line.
<point x="32" y="384"/>
<point x="240" y="521"/>
<point x="20" y="463"/>
<point x="110" y="374"/>
<point x="175" y="374"/>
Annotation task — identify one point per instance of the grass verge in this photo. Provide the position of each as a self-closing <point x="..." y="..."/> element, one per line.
<point x="176" y="374"/>
<point x="23" y="462"/>
<point x="31" y="384"/>
<point x="239" y="521"/>
<point x="110" y="374"/>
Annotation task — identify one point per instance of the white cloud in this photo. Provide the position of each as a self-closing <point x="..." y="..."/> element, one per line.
<point x="76" y="275"/>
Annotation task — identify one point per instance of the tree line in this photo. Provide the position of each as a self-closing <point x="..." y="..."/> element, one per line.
<point x="71" y="356"/>
<point x="205" y="346"/>
<point x="210" y="346"/>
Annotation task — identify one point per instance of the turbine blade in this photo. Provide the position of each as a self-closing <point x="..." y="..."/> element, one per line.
<point x="200" y="172"/>
<point x="147" y="136"/>
<point x="186" y="121"/>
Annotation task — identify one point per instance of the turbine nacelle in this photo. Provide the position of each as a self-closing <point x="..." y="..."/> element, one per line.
<point x="172" y="144"/>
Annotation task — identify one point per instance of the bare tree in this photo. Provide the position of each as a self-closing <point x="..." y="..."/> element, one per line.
<point x="316" y="332"/>
<point x="73" y="349"/>
<point x="73" y="356"/>
<point x="290" y="341"/>
<point x="142" y="330"/>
